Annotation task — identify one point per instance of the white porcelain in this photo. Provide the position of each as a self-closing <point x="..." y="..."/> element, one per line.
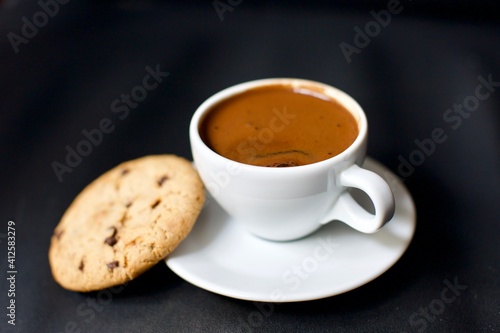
<point x="289" y="203"/>
<point x="221" y="256"/>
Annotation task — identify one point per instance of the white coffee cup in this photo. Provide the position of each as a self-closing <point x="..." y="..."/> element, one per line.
<point x="289" y="203"/>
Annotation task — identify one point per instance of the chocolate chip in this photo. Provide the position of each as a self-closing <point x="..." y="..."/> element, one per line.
<point x="82" y="265"/>
<point x="125" y="171"/>
<point x="128" y="204"/>
<point x="112" y="265"/>
<point x="112" y="239"/>
<point x="156" y="203"/>
<point x="162" y="180"/>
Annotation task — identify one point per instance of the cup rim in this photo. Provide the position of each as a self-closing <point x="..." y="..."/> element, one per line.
<point x="348" y="102"/>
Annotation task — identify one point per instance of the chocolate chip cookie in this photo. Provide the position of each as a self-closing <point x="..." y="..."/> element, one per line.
<point x="125" y="221"/>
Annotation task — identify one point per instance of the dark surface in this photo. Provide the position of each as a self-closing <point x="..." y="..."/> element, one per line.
<point x="428" y="58"/>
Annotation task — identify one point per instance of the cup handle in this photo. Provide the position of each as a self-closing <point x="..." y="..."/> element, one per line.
<point x="347" y="210"/>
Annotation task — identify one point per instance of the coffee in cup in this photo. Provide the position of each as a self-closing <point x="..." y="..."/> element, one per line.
<point x="279" y="126"/>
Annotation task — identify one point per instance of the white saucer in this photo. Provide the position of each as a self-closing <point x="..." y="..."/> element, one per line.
<point x="222" y="257"/>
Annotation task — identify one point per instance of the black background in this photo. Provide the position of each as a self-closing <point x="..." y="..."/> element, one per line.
<point x="64" y="79"/>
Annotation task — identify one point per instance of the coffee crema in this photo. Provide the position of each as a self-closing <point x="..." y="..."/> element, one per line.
<point x="278" y="126"/>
